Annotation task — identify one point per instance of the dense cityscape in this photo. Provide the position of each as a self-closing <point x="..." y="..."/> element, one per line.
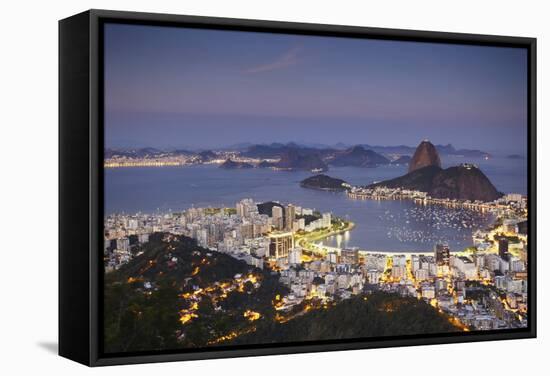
<point x="480" y="288"/>
<point x="284" y="189"/>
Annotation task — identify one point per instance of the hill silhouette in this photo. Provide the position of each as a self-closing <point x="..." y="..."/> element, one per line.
<point x="358" y="156"/>
<point x="380" y="315"/>
<point x="464" y="182"/>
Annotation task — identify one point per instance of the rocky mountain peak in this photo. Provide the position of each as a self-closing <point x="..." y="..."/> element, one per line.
<point x="424" y="156"/>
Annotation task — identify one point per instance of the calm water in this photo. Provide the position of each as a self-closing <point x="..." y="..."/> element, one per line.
<point x="386" y="225"/>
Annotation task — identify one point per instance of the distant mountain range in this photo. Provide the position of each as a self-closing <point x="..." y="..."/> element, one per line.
<point x="358" y="156"/>
<point x="293" y="156"/>
<point x="207" y="155"/>
<point x="144" y="153"/>
<point x="298" y="159"/>
<point x="276" y="149"/>
<point x="448" y="149"/>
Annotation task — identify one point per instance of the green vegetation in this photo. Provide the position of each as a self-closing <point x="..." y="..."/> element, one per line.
<point x="338" y="222"/>
<point x="214" y="211"/>
<point x="324" y="182"/>
<point x="135" y="321"/>
<point x="308" y="218"/>
<point x="378" y="316"/>
<point x="144" y="318"/>
<point x="211" y="211"/>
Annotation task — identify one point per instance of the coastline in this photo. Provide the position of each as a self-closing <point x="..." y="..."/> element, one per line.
<point x="348" y="227"/>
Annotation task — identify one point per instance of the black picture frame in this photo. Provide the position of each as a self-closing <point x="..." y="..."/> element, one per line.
<point x="81" y="184"/>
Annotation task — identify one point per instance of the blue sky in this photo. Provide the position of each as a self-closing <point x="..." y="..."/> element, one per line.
<point x="174" y="87"/>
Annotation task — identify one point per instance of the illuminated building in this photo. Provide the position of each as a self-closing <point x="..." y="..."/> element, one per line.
<point x="332" y="257"/>
<point x="295" y="256"/>
<point x="442" y="254"/>
<point x="398" y="272"/>
<point x="133" y="224"/>
<point x="465" y="266"/>
<point x="246" y="208"/>
<point x="503" y="248"/>
<point x="143" y="238"/>
<point x="280" y="244"/>
<point x="421" y="274"/>
<point x="399" y="260"/>
<point x="123" y="244"/>
<point x="326" y="219"/>
<point x="290" y="216"/>
<point x="277" y="217"/>
<point x="415" y="263"/>
<point x="350" y="256"/>
<point x="428" y="291"/>
<point x="374" y="276"/>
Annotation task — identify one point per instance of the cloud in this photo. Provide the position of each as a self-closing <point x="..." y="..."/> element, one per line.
<point x="287" y="59"/>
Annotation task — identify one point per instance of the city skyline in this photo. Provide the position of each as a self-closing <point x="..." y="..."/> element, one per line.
<point x="172" y="87"/>
<point x="214" y="240"/>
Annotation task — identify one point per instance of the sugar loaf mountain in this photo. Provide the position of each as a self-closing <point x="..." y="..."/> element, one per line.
<point x="425" y="155"/>
<point x="463" y="182"/>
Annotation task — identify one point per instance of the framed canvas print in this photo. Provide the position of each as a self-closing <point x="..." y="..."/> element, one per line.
<point x="237" y="187"/>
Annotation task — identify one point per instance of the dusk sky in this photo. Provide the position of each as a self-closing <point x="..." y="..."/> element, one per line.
<point x="171" y="87"/>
